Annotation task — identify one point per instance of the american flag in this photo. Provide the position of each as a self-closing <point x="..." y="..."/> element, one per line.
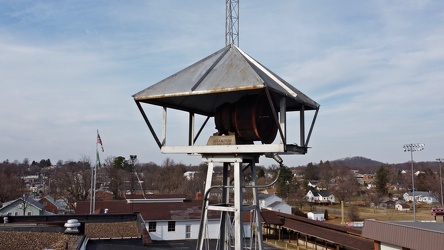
<point x="99" y="141"/>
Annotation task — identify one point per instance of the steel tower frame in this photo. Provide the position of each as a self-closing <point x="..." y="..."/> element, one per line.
<point x="232" y="22"/>
<point x="231" y="205"/>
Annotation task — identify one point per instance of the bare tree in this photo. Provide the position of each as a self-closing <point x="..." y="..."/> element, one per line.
<point x="429" y="181"/>
<point x="195" y="183"/>
<point x="11" y="187"/>
<point x="325" y="174"/>
<point x="150" y="172"/>
<point x="25" y="202"/>
<point x="312" y="172"/>
<point x="171" y="179"/>
<point x="346" y="184"/>
<point x="72" y="182"/>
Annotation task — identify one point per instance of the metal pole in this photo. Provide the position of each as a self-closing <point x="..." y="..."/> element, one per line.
<point x="413" y="186"/>
<point x="413" y="147"/>
<point x="92" y="191"/>
<point x="238" y="218"/>
<point x="440" y="179"/>
<point x="440" y="182"/>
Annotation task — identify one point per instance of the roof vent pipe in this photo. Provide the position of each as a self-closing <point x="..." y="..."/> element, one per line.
<point x="72" y="226"/>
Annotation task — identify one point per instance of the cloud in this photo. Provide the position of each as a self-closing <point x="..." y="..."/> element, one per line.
<point x="68" y="69"/>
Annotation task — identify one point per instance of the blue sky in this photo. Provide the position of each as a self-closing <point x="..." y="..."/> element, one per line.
<point x="68" y="68"/>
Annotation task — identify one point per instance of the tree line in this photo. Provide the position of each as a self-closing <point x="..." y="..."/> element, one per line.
<point x="121" y="177"/>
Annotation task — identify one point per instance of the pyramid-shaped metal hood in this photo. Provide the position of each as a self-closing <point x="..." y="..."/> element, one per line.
<point x="224" y="76"/>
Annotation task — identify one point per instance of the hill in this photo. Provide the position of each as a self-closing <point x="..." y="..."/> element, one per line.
<point x="357" y="162"/>
<point x="367" y="165"/>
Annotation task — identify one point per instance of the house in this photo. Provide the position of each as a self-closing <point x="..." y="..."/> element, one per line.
<point x="190" y="174"/>
<point x="51" y="205"/>
<point x="386" y="203"/>
<point x="419" y="172"/>
<point x="420" y="196"/>
<point x="23" y="206"/>
<point x="315" y="216"/>
<point x="30" y="179"/>
<point x="320" y="197"/>
<point x="273" y="202"/>
<point x="313" y="184"/>
<point x="402" y="207"/>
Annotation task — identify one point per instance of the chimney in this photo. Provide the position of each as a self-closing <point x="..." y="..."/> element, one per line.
<point x="198" y="195"/>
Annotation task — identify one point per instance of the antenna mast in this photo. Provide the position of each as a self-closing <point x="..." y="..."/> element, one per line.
<point x="232" y="22"/>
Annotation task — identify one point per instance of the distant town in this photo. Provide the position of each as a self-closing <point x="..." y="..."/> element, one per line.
<point x="365" y="188"/>
<point x="354" y="180"/>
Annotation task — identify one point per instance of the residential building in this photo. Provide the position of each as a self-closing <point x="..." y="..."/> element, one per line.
<point x="313" y="184"/>
<point x="420" y="196"/>
<point x="52" y="205"/>
<point x="23" y="206"/>
<point x="315" y="216"/>
<point x="166" y="217"/>
<point x="402" y="207"/>
<point x="320" y="197"/>
<point x="386" y="203"/>
<point x="273" y="202"/>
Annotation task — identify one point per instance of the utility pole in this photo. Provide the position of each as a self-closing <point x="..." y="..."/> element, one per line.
<point x="440" y="160"/>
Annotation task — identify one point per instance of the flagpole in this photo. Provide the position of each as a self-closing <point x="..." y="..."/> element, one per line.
<point x="95" y="181"/>
<point x="92" y="205"/>
<point x="92" y="199"/>
<point x="95" y="168"/>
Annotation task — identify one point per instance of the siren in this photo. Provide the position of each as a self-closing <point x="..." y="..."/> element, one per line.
<point x="250" y="119"/>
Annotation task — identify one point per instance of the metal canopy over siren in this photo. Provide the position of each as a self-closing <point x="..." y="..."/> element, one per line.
<point x="249" y="103"/>
<point x="214" y="87"/>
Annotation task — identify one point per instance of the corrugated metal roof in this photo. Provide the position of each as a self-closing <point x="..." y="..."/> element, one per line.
<point x="347" y="237"/>
<point x="224" y="76"/>
<point x="413" y="235"/>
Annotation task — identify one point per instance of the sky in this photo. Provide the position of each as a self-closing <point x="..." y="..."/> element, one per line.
<point x="70" y="68"/>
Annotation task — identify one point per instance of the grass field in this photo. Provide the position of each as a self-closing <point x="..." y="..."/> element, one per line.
<point x="422" y="214"/>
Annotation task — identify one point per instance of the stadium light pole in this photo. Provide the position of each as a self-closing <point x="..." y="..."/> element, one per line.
<point x="440" y="160"/>
<point x="411" y="148"/>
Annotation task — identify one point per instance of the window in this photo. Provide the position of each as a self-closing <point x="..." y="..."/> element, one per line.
<point x="29" y="213"/>
<point x="152" y="226"/>
<point x="171" y="226"/>
<point x="16" y="213"/>
<point x="187" y="231"/>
